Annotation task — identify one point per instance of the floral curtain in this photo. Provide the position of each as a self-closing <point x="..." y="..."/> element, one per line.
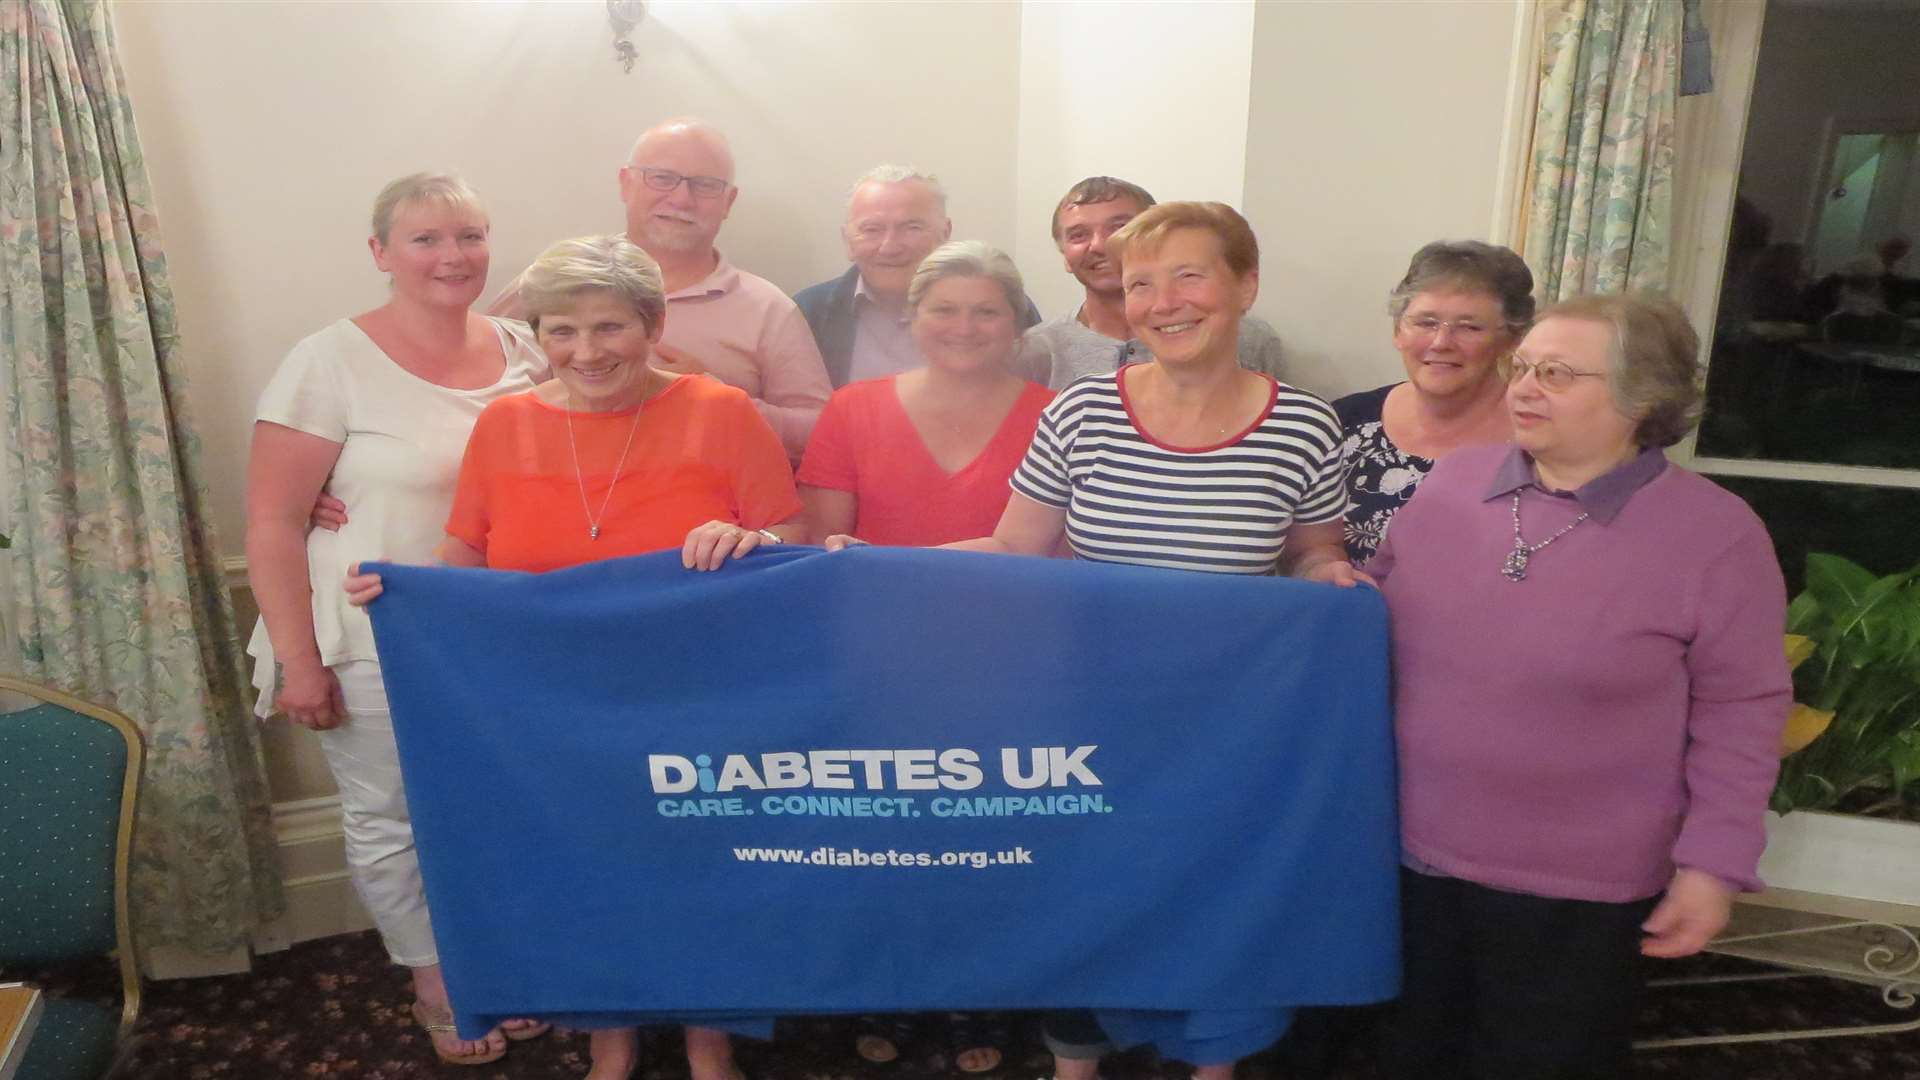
<point x="1600" y="175"/>
<point x="115" y="579"/>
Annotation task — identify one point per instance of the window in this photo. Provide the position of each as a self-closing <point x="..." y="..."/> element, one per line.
<point x="1813" y="386"/>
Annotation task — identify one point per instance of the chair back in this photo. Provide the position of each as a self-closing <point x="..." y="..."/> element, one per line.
<point x="69" y="785"/>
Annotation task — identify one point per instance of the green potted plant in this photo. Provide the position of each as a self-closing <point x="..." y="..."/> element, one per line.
<point x="1847" y="803"/>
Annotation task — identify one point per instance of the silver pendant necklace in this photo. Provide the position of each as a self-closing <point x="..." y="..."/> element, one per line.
<point x="594" y="520"/>
<point x="1515" y="568"/>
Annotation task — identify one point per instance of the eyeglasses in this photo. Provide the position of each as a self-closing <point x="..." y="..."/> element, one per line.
<point x="1550" y="374"/>
<point x="702" y="187"/>
<point x="1465" y="331"/>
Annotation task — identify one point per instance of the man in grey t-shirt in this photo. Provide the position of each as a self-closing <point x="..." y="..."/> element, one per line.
<point x="1094" y="339"/>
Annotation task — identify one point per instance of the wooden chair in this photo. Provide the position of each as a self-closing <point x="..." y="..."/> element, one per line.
<point x="69" y="784"/>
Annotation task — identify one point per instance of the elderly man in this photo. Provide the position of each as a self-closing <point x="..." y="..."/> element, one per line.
<point x="1095" y="339"/>
<point x="895" y="216"/>
<point x="737" y="327"/>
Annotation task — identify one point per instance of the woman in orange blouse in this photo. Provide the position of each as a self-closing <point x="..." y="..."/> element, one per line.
<point x="612" y="458"/>
<point x="923" y="458"/>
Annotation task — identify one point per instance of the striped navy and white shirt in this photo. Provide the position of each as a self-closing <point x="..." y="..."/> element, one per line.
<point x="1223" y="508"/>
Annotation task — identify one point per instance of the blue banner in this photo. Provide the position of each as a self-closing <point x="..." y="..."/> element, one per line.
<point x="889" y="779"/>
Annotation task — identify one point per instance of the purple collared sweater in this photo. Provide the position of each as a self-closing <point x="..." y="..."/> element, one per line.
<point x="1581" y="733"/>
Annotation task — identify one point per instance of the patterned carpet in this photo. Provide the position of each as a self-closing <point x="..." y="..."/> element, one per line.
<point x="335" y="1008"/>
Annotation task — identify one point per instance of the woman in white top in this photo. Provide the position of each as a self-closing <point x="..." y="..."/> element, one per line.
<point x="375" y="410"/>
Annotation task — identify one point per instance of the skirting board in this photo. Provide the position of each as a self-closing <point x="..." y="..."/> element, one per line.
<point x="313" y="868"/>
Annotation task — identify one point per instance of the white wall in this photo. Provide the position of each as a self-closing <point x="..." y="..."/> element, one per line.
<point x="269" y="127"/>
<point x="1819" y="62"/>
<point x="1374" y="128"/>
<point x="1344" y="132"/>
<point x="1155" y="93"/>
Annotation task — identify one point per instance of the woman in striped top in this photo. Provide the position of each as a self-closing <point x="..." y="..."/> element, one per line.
<point x="1190" y="462"/>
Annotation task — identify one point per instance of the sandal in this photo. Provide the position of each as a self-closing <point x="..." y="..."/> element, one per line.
<point x="529" y="1028"/>
<point x="977" y="1040"/>
<point x="881" y="1037"/>
<point x="439" y="1021"/>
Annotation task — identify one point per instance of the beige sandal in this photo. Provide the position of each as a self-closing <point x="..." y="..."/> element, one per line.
<point x="533" y="1029"/>
<point x="439" y="1021"/>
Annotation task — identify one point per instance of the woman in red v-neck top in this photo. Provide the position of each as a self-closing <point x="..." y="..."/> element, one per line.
<point x="923" y="458"/>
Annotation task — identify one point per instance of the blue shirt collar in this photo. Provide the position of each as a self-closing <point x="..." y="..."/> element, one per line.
<point x="1601" y="497"/>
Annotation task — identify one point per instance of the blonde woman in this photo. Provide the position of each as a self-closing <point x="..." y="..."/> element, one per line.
<point x="375" y="410"/>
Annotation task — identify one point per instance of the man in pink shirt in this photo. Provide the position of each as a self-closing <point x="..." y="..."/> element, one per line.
<point x="738" y="327"/>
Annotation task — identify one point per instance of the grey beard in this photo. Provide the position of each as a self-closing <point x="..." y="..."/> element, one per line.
<point x="680" y="241"/>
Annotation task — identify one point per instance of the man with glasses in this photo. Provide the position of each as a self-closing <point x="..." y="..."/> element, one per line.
<point x="735" y="326"/>
<point x="1095" y="339"/>
<point x="896" y="215"/>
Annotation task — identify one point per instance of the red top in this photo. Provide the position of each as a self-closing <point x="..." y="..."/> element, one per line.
<point x="866" y="444"/>
<point x="700" y="452"/>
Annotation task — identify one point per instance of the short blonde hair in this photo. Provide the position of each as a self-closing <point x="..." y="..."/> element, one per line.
<point x="446" y="189"/>
<point x="972" y="259"/>
<point x="1653" y="371"/>
<point x="610" y="264"/>
<point x="1151" y="228"/>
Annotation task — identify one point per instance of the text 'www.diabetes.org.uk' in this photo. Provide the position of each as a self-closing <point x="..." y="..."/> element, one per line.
<point x="827" y="856"/>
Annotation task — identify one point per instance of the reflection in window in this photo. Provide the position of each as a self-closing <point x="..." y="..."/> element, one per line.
<point x="1873" y="526"/>
<point x="1816" y="352"/>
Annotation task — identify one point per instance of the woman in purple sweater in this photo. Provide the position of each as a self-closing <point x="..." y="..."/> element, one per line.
<point x="1589" y="694"/>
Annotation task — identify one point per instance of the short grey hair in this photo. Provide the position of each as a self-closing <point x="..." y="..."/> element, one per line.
<point x="1653" y="369"/>
<point x="445" y="189"/>
<point x="1474" y="267"/>
<point x="968" y="259"/>
<point x="610" y="264"/>
<point x="899" y="174"/>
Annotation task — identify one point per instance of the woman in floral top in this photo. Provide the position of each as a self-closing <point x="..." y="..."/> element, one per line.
<point x="1458" y="312"/>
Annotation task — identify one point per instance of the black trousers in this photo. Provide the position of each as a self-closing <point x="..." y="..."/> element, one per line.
<point x="1075" y="1034"/>
<point x="1505" y="986"/>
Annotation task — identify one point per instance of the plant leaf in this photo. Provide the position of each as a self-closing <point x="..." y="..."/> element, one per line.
<point x="1804" y="725"/>
<point x="1856" y="724"/>
<point x="1799" y="648"/>
<point x="1806" y="616"/>
<point x="1904" y="756"/>
<point x="1838" y="584"/>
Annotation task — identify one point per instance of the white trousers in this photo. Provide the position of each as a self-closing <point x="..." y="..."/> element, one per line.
<point x="373" y="815"/>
